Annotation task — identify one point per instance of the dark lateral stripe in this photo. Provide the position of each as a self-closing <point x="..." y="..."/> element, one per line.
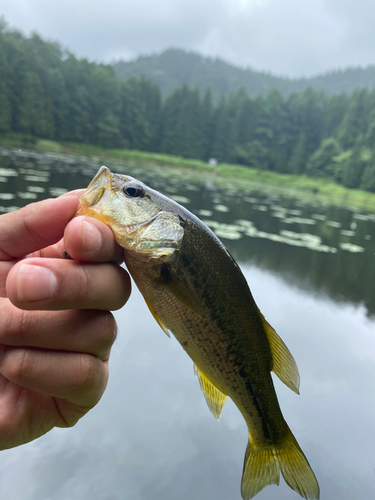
<point x="266" y="428"/>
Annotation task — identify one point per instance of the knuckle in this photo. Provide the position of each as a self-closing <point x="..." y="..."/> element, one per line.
<point x="99" y="332"/>
<point x="17" y="326"/>
<point x="109" y="334"/>
<point x="124" y="288"/>
<point x="86" y="372"/>
<point x="28" y="225"/>
<point x="84" y="284"/>
<point x="69" y="414"/>
<point x="17" y="364"/>
<point x="90" y="380"/>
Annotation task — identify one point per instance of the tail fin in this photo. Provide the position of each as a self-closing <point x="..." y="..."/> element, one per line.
<point x="263" y="464"/>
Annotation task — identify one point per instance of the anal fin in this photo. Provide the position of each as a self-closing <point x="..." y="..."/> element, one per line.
<point x="215" y="399"/>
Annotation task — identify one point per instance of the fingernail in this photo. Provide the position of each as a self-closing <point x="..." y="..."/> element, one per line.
<point x="35" y="283"/>
<point x="92" y="239"/>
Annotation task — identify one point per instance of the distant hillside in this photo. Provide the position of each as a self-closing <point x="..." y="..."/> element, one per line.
<point x="46" y="92"/>
<point x="175" y="67"/>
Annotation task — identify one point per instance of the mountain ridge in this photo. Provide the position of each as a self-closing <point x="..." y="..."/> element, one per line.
<point x="174" y="67"/>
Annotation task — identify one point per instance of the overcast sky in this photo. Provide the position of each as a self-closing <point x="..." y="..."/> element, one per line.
<point x="287" y="37"/>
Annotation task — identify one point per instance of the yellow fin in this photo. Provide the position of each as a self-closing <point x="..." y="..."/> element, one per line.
<point x="170" y="281"/>
<point x="215" y="399"/>
<point x="283" y="363"/>
<point x="263" y="465"/>
<point x="159" y="321"/>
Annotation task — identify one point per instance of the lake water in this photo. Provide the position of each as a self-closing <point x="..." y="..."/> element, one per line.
<point x="311" y="270"/>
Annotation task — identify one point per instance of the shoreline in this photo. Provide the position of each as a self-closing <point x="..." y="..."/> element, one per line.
<point x="321" y="190"/>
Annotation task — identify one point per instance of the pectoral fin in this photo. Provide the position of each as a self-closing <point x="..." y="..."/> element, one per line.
<point x="171" y="282"/>
<point x="215" y="399"/>
<point x="283" y="363"/>
<point x="158" y="320"/>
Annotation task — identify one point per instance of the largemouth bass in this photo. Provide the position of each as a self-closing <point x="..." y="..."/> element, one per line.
<point x="195" y="289"/>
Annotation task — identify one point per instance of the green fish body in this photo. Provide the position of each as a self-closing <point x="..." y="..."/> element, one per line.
<point x="195" y="289"/>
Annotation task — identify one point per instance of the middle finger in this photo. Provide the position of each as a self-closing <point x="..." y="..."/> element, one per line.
<point x="92" y="332"/>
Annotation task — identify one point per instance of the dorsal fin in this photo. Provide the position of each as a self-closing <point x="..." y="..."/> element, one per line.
<point x="283" y="363"/>
<point x="215" y="399"/>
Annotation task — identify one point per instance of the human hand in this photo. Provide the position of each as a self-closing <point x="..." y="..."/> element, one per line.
<point x="56" y="330"/>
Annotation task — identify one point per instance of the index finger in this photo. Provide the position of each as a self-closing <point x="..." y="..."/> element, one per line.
<point x="35" y="226"/>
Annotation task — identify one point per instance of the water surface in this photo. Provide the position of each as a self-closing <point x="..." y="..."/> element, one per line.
<point x="311" y="271"/>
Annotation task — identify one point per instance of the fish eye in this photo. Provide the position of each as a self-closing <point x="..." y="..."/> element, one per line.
<point x="133" y="190"/>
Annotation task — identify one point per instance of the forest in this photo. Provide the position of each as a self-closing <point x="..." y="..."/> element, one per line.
<point x="46" y="92"/>
<point x="173" y="68"/>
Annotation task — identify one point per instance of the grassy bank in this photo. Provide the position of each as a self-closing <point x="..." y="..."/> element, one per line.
<point x="317" y="189"/>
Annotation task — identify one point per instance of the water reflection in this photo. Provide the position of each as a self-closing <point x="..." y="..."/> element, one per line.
<point x="152" y="434"/>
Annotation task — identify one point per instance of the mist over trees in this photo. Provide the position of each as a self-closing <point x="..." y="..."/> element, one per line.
<point x="47" y="92"/>
<point x="173" y="68"/>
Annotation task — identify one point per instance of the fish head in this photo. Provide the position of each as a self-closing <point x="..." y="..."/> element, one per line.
<point x="137" y="215"/>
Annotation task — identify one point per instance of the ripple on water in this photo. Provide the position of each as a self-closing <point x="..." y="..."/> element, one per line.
<point x="279" y="215"/>
<point x="36" y="178"/>
<point x="27" y="195"/>
<point x="8" y="172"/>
<point x="222" y="230"/>
<point x="56" y="191"/>
<point x="179" y="199"/>
<point x="349" y="247"/>
<point x="36" y="189"/>
<point x="319" y="217"/>
<point x="205" y="213"/>
<point x="333" y="223"/>
<point x="261" y="208"/>
<point x="8" y="209"/>
<point x="346" y="232"/>
<point x="365" y="217"/>
<point x="299" y="220"/>
<point x="245" y="227"/>
<point x="221" y="208"/>
<point x="37" y="173"/>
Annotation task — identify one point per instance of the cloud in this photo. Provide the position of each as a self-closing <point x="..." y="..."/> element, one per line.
<point x="282" y="36"/>
<point x="117" y="29"/>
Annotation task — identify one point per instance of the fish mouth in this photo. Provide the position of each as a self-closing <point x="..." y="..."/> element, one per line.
<point x="95" y="190"/>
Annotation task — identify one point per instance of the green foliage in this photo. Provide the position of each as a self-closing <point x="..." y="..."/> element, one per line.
<point x="48" y="97"/>
<point x="368" y="177"/>
<point x="174" y="68"/>
<point x="298" y="158"/>
<point x="355" y="121"/>
<point x="252" y="154"/>
<point x="321" y="163"/>
<point x="47" y="145"/>
<point x="182" y="120"/>
<point x="354" y="166"/>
